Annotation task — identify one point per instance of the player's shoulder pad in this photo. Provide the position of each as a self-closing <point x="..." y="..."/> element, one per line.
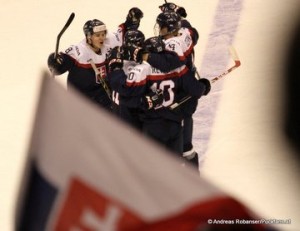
<point x="113" y="39"/>
<point x="185" y="23"/>
<point x="173" y="41"/>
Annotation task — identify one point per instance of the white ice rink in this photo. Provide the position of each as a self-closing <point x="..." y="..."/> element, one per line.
<point x="247" y="155"/>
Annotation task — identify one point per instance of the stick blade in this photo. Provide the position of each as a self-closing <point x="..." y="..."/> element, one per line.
<point x="234" y="56"/>
<point x="69" y="21"/>
<point x="72" y="16"/>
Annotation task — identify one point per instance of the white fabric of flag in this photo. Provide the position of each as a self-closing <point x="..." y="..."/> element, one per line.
<point x="95" y="173"/>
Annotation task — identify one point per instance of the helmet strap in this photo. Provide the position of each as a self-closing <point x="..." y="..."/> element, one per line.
<point x="95" y="49"/>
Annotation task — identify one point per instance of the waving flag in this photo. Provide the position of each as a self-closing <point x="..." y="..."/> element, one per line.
<point x="87" y="171"/>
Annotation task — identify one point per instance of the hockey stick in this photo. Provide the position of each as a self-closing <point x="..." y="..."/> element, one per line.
<point x="70" y="19"/>
<point x="237" y="63"/>
<point x="100" y="79"/>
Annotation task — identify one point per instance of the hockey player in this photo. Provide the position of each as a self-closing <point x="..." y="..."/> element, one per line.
<point x="93" y="49"/>
<point x="189" y="36"/>
<point x="129" y="113"/>
<point x="149" y="84"/>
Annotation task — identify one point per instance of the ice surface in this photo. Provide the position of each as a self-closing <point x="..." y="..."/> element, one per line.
<point x="237" y="127"/>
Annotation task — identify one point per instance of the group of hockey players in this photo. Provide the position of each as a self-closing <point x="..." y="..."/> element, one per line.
<point x="140" y="79"/>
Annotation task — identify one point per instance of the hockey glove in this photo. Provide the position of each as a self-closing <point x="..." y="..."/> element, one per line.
<point x="115" y="59"/>
<point x="206" y="82"/>
<point x="55" y="63"/>
<point x="133" y="19"/>
<point x="134" y="53"/>
<point x="154" y="99"/>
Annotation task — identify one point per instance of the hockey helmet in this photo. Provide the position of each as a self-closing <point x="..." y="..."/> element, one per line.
<point x="93" y="26"/>
<point x="170" y="20"/>
<point x="169" y="6"/>
<point x="154" y="44"/>
<point x="134" y="38"/>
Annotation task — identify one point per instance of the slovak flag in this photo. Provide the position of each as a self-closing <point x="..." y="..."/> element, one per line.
<point x="87" y="171"/>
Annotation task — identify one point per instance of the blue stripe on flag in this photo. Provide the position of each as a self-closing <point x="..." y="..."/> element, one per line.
<point x="39" y="199"/>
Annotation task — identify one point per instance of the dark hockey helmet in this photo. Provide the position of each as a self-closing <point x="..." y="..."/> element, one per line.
<point x="134" y="38"/>
<point x="170" y="20"/>
<point x="93" y="26"/>
<point x="154" y="44"/>
<point x="169" y="6"/>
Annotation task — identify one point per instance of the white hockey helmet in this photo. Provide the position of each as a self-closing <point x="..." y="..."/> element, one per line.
<point x="93" y="26"/>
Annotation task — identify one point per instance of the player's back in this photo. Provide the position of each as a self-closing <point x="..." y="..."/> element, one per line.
<point x="174" y="84"/>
